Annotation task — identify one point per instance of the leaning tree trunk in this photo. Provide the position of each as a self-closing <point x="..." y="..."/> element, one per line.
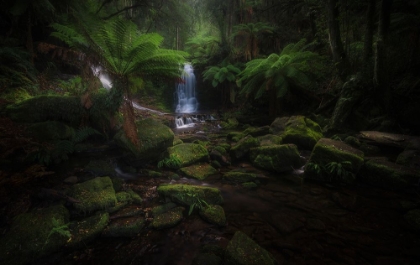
<point x="339" y="55"/>
<point x="381" y="78"/>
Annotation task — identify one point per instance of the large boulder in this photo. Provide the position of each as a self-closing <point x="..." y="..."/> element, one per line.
<point x="34" y="235"/>
<point x="167" y="219"/>
<point x="200" y="171"/>
<point x="333" y="160"/>
<point x="190" y="194"/>
<point x="50" y="130"/>
<point x="276" y="158"/>
<point x="242" y="250"/>
<point x="380" y="172"/>
<point x="187" y="154"/>
<point x="92" y="195"/>
<point x="154" y="138"/>
<point x="241" y="149"/>
<point x="124" y="227"/>
<point x="47" y="108"/>
<point x="297" y="130"/>
<point x="86" y="230"/>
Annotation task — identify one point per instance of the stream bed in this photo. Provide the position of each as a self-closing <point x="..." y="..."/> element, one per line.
<point x="297" y="221"/>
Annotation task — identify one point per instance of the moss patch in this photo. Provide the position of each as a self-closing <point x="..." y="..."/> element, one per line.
<point x="86" y="230"/>
<point x="242" y="250"/>
<point x="200" y="172"/>
<point x="190" y="194"/>
<point x="188" y="154"/>
<point x="168" y="219"/>
<point x="239" y="177"/>
<point x="241" y="149"/>
<point x="124" y="227"/>
<point x="213" y="214"/>
<point x="276" y="158"/>
<point x="95" y="194"/>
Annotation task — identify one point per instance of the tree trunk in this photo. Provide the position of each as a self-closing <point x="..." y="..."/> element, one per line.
<point x="339" y="55"/>
<point x="368" y="51"/>
<point x="381" y="80"/>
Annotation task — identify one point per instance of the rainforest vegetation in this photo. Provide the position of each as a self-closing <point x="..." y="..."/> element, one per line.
<point x="326" y="91"/>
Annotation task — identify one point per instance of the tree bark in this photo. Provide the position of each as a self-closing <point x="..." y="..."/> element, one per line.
<point x="339" y="55"/>
<point x="381" y="80"/>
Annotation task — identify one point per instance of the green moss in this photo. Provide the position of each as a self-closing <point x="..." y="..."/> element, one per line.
<point x="276" y="158"/>
<point x="84" y="231"/>
<point x="249" y="185"/>
<point x="242" y="250"/>
<point x="50" y="130"/>
<point x="220" y="149"/>
<point x="135" y="197"/>
<point x="95" y="194"/>
<point x="124" y="227"/>
<point x="177" y="141"/>
<point x="163" y="208"/>
<point x="241" y="149"/>
<point x="30" y="237"/>
<point x="239" y="177"/>
<point x="200" y="171"/>
<point x="213" y="214"/>
<point x="188" y="154"/>
<point x="168" y="219"/>
<point x="270" y="139"/>
<point x="190" y="194"/>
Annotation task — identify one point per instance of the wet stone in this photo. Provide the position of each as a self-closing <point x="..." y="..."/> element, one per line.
<point x="168" y="219"/>
<point x="124" y="227"/>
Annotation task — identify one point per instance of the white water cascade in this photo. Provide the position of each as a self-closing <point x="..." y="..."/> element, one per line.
<point x="185" y="92"/>
<point x="103" y="76"/>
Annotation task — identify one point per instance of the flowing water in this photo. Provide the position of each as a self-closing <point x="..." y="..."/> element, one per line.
<point x="185" y="96"/>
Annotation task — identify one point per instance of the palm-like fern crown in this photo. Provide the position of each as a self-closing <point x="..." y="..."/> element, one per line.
<point x="220" y="74"/>
<point x="293" y="66"/>
<point x="120" y="46"/>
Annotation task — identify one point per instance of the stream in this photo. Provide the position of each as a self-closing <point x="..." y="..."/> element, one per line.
<point x="297" y="221"/>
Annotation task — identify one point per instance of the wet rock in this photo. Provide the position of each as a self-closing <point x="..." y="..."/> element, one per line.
<point x="241" y="149"/>
<point x="276" y="158"/>
<point x="239" y="177"/>
<point x="413" y="219"/>
<point x="188" y="154"/>
<point x="190" y="194"/>
<point x="124" y="227"/>
<point x="207" y="259"/>
<point x="200" y="171"/>
<point x="270" y="139"/>
<point x="235" y="136"/>
<point x="152" y="173"/>
<point x="297" y="130"/>
<point x="409" y="158"/>
<point x="163" y="208"/>
<point x="127" y="212"/>
<point x="219" y="157"/>
<point x="100" y="168"/>
<point x="135" y="198"/>
<point x="153" y="139"/>
<point x="315" y="224"/>
<point x="213" y="214"/>
<point x="334" y="161"/>
<point x="50" y="130"/>
<point x="285" y="224"/>
<point x="257" y="131"/>
<point x="382" y="173"/>
<point x="177" y="141"/>
<point x="95" y="194"/>
<point x="86" y="230"/>
<point x="249" y="185"/>
<point x="168" y="219"/>
<point x="34" y="235"/>
<point x="242" y="250"/>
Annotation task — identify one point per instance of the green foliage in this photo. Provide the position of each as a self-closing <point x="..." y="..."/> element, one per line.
<point x="170" y="162"/>
<point x="58" y="228"/>
<point x="15" y="68"/>
<point x="220" y="74"/>
<point x="196" y="201"/>
<point x="202" y="48"/>
<point x="293" y="67"/>
<point x="60" y="150"/>
<point x="332" y="171"/>
<point x="73" y="87"/>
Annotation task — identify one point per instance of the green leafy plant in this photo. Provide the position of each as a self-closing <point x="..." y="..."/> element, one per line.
<point x="170" y="162"/>
<point x="58" y="228"/>
<point x="332" y="171"/>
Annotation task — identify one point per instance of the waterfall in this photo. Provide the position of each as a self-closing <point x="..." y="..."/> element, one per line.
<point x="185" y="92"/>
<point x="103" y="77"/>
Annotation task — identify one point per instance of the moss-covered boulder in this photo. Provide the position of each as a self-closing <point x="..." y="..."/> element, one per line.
<point x="190" y="194"/>
<point x="410" y="158"/>
<point x="187" y="154"/>
<point x="276" y="158"/>
<point x="229" y="123"/>
<point x="241" y="149"/>
<point x="413" y="219"/>
<point x="124" y="227"/>
<point x="177" y="141"/>
<point x="297" y="130"/>
<point x="154" y="138"/>
<point x="95" y="194"/>
<point x="86" y="230"/>
<point x="242" y="250"/>
<point x="163" y="208"/>
<point x="270" y="139"/>
<point x="47" y="108"/>
<point x="239" y="177"/>
<point x="200" y="171"/>
<point x="220" y="155"/>
<point x="213" y="214"/>
<point x="257" y="131"/>
<point x="34" y="235"/>
<point x="50" y="130"/>
<point x="100" y="168"/>
<point x="333" y="156"/>
<point x="168" y="219"/>
<point x="382" y="173"/>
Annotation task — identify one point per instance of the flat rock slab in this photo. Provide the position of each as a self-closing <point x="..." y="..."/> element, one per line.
<point x="124" y="227"/>
<point x="168" y="219"/>
<point x="86" y="230"/>
<point x="190" y="194"/>
<point x="200" y="171"/>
